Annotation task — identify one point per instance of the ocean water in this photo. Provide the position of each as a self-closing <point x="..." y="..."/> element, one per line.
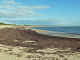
<point x="61" y="31"/>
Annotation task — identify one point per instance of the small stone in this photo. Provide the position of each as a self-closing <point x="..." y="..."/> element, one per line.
<point x="57" y="59"/>
<point x="65" y="59"/>
<point x="61" y="55"/>
<point x="29" y="57"/>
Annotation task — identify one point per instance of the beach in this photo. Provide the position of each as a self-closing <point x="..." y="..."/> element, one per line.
<point x="24" y="43"/>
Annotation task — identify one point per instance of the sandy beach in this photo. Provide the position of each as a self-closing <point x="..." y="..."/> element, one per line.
<point x="55" y="33"/>
<point x="23" y="43"/>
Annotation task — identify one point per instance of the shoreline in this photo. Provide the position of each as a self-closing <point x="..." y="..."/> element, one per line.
<point x="55" y="33"/>
<point x="45" y="32"/>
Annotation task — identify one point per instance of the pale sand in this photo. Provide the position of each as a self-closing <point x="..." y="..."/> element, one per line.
<point x="5" y="26"/>
<point x="18" y="53"/>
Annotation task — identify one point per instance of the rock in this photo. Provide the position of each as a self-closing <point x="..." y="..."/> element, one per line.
<point x="61" y="55"/>
<point x="65" y="59"/>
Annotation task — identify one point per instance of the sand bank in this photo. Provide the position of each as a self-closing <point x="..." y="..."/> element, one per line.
<point x="5" y="26"/>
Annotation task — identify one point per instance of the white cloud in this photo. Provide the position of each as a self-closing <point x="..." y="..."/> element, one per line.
<point x="62" y="23"/>
<point x="47" y="21"/>
<point x="10" y="2"/>
<point x="11" y="9"/>
<point x="33" y="7"/>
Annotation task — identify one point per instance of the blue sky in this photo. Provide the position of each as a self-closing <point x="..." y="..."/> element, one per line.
<point x="40" y="12"/>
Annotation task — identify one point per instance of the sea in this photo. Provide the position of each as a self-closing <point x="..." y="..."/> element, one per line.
<point x="61" y="31"/>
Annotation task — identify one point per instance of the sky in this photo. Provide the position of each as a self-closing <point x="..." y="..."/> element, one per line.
<point x="40" y="12"/>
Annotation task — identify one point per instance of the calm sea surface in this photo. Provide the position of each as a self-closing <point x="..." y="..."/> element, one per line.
<point x="61" y="29"/>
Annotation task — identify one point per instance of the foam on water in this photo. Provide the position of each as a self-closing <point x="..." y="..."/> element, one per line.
<point x="61" y="31"/>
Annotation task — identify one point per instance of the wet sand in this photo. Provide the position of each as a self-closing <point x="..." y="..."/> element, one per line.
<point x="22" y="43"/>
<point x="54" y="33"/>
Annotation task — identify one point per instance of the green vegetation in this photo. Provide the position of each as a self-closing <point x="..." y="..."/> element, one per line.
<point x="37" y="25"/>
<point x="6" y="24"/>
<point x="2" y="23"/>
<point x="14" y="24"/>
